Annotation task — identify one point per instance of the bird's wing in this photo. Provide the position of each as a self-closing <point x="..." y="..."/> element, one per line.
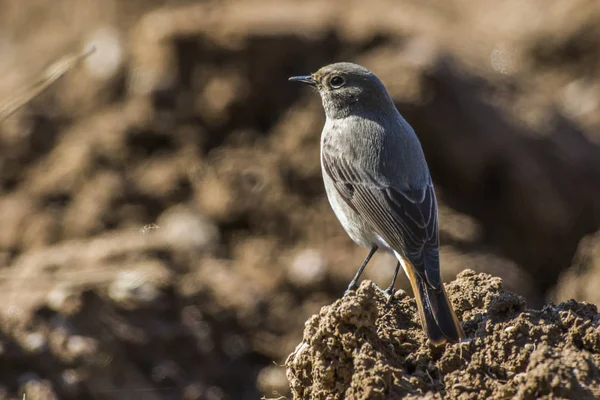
<point x="405" y="219"/>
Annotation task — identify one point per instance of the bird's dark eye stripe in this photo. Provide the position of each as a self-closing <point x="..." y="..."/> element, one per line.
<point x="336" y="81"/>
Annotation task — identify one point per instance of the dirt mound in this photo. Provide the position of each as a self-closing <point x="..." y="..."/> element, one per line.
<point x="366" y="347"/>
<point x="164" y="228"/>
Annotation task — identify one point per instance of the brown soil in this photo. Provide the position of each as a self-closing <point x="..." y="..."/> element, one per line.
<point x="366" y="347"/>
<point x="164" y="231"/>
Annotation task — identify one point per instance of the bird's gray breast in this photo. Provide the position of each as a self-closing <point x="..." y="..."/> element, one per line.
<point x="352" y="222"/>
<point x="338" y="142"/>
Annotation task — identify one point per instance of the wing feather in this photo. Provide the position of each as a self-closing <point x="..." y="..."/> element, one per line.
<point x="405" y="219"/>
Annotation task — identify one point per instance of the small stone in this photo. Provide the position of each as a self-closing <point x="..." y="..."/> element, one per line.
<point x="308" y="267"/>
<point x="107" y="58"/>
<point x="64" y="300"/>
<point x="140" y="285"/>
<point x="71" y="380"/>
<point x="272" y="380"/>
<point x="36" y="389"/>
<point x="80" y="346"/>
<point x="185" y="228"/>
<point x="35" y="342"/>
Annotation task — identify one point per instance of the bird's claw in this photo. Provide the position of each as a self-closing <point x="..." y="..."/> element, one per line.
<point x="389" y="293"/>
<point x="351" y="288"/>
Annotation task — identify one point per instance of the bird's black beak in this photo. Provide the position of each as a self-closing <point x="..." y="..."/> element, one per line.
<point x="304" y="79"/>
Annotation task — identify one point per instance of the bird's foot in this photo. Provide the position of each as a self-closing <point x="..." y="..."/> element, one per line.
<point x="465" y="342"/>
<point x="387" y="293"/>
<point x="351" y="288"/>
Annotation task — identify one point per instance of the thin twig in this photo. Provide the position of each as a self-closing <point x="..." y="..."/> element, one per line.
<point x="53" y="73"/>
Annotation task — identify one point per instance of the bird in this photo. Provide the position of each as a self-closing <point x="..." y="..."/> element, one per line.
<point x="379" y="186"/>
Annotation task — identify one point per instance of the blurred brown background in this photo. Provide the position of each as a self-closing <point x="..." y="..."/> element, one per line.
<point x="164" y="228"/>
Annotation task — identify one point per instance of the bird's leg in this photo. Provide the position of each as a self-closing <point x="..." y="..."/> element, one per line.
<point x="352" y="284"/>
<point x="390" y="290"/>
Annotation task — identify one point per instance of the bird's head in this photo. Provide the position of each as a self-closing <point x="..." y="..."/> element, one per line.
<point x="346" y="88"/>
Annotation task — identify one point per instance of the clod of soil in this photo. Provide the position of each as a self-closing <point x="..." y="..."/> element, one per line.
<point x="366" y="347"/>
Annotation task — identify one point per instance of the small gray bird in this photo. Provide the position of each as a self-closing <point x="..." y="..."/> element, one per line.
<point x="378" y="184"/>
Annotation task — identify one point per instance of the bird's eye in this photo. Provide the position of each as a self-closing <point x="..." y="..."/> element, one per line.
<point x="336" y="82"/>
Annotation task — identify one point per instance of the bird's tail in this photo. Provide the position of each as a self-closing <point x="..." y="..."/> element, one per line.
<point x="437" y="315"/>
